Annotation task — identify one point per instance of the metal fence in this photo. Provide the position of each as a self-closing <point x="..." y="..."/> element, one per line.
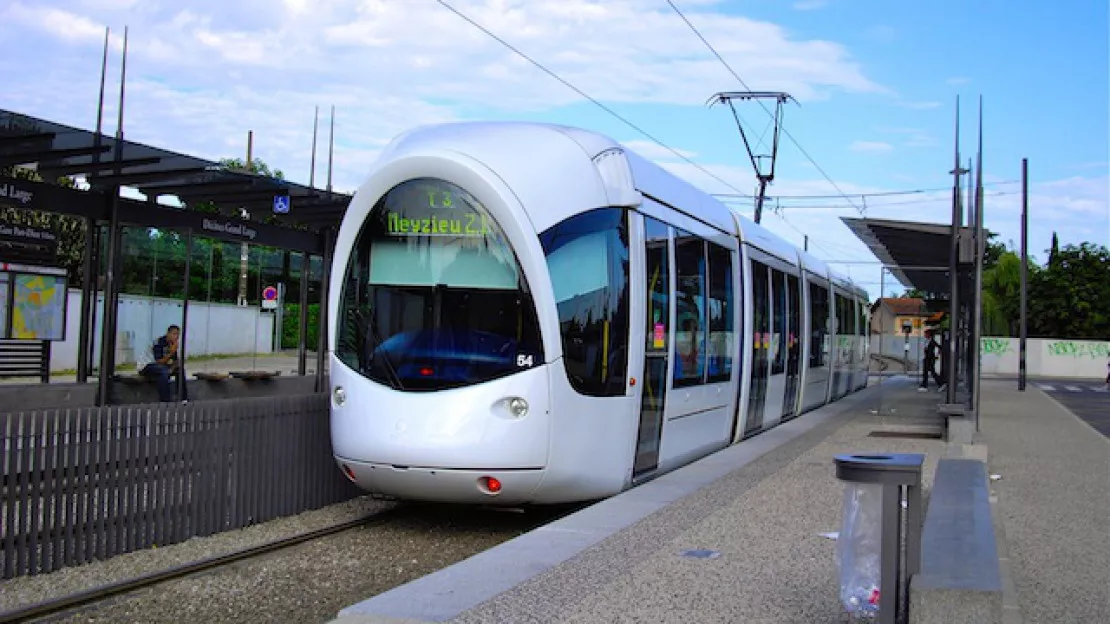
<point x="85" y="484"/>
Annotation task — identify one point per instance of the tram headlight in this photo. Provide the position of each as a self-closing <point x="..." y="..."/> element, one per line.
<point x="519" y="407"/>
<point x="339" y="395"/>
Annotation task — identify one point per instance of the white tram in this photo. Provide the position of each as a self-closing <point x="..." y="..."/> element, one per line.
<point x="523" y="313"/>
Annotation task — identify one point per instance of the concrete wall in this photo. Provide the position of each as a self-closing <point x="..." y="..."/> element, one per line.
<point x="214" y="329"/>
<point x="1045" y="357"/>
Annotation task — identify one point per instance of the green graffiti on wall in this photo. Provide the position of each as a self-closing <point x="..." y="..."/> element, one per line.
<point x="995" y="346"/>
<point x="1078" y="349"/>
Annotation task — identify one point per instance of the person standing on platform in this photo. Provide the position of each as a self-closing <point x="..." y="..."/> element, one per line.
<point x="930" y="361"/>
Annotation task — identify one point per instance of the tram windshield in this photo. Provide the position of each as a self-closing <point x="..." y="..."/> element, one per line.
<point x="434" y="297"/>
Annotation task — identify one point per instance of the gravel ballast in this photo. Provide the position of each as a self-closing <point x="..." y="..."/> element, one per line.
<point x="309" y="582"/>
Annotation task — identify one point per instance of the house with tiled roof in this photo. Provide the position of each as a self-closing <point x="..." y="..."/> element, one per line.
<point x="891" y="316"/>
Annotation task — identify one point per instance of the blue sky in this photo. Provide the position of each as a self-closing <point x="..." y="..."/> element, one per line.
<point x="876" y="82"/>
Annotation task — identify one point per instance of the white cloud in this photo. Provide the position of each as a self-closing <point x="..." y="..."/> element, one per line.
<point x="871" y="146"/>
<point x="200" y="77"/>
<point x="59" y="23"/>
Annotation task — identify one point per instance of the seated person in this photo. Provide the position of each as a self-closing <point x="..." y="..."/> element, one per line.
<point x="166" y="364"/>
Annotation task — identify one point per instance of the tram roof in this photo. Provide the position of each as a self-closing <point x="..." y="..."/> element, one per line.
<point x="57" y="150"/>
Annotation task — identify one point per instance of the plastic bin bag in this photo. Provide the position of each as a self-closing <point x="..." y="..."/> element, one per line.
<point x="859" y="549"/>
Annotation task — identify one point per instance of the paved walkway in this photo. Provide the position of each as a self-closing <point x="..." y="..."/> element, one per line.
<point x="1054" y="499"/>
<point x="758" y="510"/>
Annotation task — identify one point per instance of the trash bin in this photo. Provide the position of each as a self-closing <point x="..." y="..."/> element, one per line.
<point x="869" y="547"/>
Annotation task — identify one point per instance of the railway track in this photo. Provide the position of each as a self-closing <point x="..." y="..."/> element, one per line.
<point x="101" y="593"/>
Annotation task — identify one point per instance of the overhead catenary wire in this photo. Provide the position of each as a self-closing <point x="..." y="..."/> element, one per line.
<point x="870" y="206"/>
<point x="761" y="105"/>
<point x="551" y="73"/>
<point x="585" y="95"/>
<point x="947" y="189"/>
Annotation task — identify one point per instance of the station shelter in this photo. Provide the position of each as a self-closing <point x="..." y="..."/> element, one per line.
<point x="106" y="243"/>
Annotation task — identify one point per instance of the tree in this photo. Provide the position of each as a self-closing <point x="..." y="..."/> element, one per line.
<point x="1070" y="297"/>
<point x="1002" y="295"/>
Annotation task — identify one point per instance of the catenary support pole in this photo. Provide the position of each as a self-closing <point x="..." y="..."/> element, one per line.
<point x="1024" y="269"/>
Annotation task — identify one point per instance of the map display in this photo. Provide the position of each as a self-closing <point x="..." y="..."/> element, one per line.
<point x="38" y="307"/>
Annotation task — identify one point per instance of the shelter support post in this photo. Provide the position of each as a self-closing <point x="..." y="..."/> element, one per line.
<point x="88" y="290"/>
<point x="181" y="379"/>
<point x="302" y="322"/>
<point x="111" y="302"/>
<point x="322" y="335"/>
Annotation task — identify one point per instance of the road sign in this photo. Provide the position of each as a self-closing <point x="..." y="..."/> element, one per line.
<point x="281" y="204"/>
<point x="269" y="298"/>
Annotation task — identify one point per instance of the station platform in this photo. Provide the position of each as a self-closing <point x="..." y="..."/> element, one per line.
<point x="748" y="533"/>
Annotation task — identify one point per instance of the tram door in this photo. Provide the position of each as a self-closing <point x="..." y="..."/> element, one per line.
<point x="761" y="324"/>
<point x="793" y="347"/>
<point x="776" y="379"/>
<point x="654" y="391"/>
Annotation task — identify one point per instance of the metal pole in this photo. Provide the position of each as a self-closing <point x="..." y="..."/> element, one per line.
<point x="1024" y="269"/>
<point x="953" y="268"/>
<point x="181" y="379"/>
<point x="312" y="173"/>
<point x="759" y="199"/>
<point x="322" y="338"/>
<point x="972" y="208"/>
<point x="302" y="321"/>
<point x="980" y="246"/>
<point x="111" y="287"/>
<point x="89" y="273"/>
<point x="882" y="334"/>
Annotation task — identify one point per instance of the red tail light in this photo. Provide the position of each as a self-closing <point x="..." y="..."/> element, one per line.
<point x="490" y="484"/>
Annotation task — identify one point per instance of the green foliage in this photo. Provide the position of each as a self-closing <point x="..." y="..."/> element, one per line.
<point x="290" y="325"/>
<point x="1070" y="297"/>
<point x="256" y="166"/>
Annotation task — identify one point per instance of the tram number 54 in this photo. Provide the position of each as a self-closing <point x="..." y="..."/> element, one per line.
<point x="524" y="360"/>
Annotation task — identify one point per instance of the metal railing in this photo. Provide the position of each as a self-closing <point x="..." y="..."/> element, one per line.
<point x="85" y="484"/>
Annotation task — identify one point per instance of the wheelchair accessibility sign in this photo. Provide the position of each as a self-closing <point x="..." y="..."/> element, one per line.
<point x="281" y="204"/>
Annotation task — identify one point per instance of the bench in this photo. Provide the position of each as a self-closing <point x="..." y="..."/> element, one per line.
<point x="25" y="358"/>
<point x="255" y="375"/>
<point x="960" y="578"/>
<point x="134" y="379"/>
<point x="211" y="376"/>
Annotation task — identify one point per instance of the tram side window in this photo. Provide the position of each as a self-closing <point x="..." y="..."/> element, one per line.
<point x="587" y="257"/>
<point x="690" y="321"/>
<point x="760" y="322"/>
<point x="778" y="350"/>
<point x="721" y="312"/>
<point x="659" y="285"/>
<point x="841" y="327"/>
<point x="819" y="324"/>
